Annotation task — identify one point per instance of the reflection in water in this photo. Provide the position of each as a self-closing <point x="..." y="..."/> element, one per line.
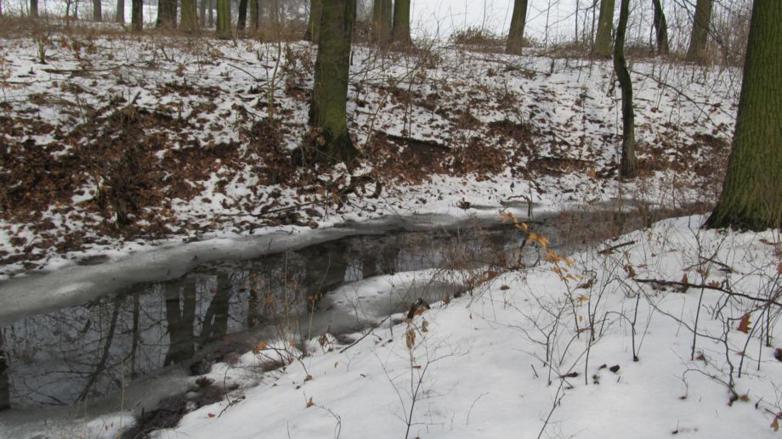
<point x="90" y="351"/>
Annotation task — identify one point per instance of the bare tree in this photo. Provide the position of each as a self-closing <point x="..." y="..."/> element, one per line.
<point x="700" y="31"/>
<point x="516" y="34"/>
<point x="400" y="34"/>
<point x="628" y="166"/>
<point x="605" y="25"/>
<point x="660" y="28"/>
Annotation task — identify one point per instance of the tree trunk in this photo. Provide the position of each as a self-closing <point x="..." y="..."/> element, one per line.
<point x="752" y="194"/>
<point x="137" y="15"/>
<point x="382" y="21"/>
<point x="700" y="31"/>
<point x="224" y="19"/>
<point x="180" y="317"/>
<point x="188" y="21"/>
<point x="628" y="166"/>
<point x="5" y="391"/>
<point x="166" y="14"/>
<point x="97" y="11"/>
<point x="661" y="28"/>
<point x="517" y="22"/>
<point x="400" y="34"/>
<point x="328" y="112"/>
<point x="211" y="12"/>
<point x="241" y="21"/>
<point x="313" y="26"/>
<point x="119" y="14"/>
<point x="604" y="26"/>
<point x="202" y="13"/>
<point x="33" y="8"/>
<point x="255" y="14"/>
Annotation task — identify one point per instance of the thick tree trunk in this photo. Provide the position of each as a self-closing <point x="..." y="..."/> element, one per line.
<point x="180" y="317"/>
<point x="313" y="25"/>
<point x="166" y="14"/>
<point x="188" y="21"/>
<point x="97" y="10"/>
<point x="660" y="28"/>
<point x="400" y="34"/>
<point x="604" y="26"/>
<point x="137" y="15"/>
<point x="33" y="8"/>
<point x="224" y="19"/>
<point x="752" y="194"/>
<point x="241" y="20"/>
<point x="517" y="22"/>
<point x="328" y="112"/>
<point x="628" y="166"/>
<point x="119" y="14"/>
<point x="700" y="31"/>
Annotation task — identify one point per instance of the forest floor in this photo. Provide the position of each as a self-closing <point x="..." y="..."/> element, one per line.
<point x="110" y="143"/>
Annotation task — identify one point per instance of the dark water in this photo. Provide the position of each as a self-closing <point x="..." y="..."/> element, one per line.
<point x="90" y="351"/>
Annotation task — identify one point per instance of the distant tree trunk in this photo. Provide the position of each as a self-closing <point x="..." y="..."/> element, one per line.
<point x="180" y="317"/>
<point x="166" y="14"/>
<point x="517" y="22"/>
<point x="202" y="13"/>
<point x="224" y="19"/>
<point x="97" y="10"/>
<point x="5" y="391"/>
<point x="752" y="194"/>
<point x="400" y="34"/>
<point x="33" y="8"/>
<point x="661" y="28"/>
<point x="211" y="12"/>
<point x="274" y="14"/>
<point x="700" y="31"/>
<point x="241" y="21"/>
<point x="255" y="14"/>
<point x="382" y="21"/>
<point x="188" y="20"/>
<point x="328" y="112"/>
<point x="313" y="24"/>
<point x="604" y="26"/>
<point x="137" y="15"/>
<point x="628" y="166"/>
<point x="119" y="14"/>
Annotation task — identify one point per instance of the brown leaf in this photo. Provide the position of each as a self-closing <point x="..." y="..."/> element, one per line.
<point x="779" y="268"/>
<point x="310" y="403"/>
<point x="410" y="338"/>
<point x="775" y="424"/>
<point x="744" y="324"/>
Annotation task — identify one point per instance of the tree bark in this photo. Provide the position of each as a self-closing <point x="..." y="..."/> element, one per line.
<point x="628" y="166"/>
<point x="752" y="193"/>
<point x="33" y="8"/>
<point x="137" y="15"/>
<point x="604" y="26"/>
<point x="188" y="20"/>
<point x="5" y="387"/>
<point x="202" y="13"/>
<point x="382" y="21"/>
<point x="119" y="14"/>
<point x="400" y="33"/>
<point x="517" y="22"/>
<point x="211" y="12"/>
<point x="660" y="28"/>
<point x="97" y="11"/>
<point x="166" y="14"/>
<point x="328" y="112"/>
<point x="224" y="19"/>
<point x="700" y="31"/>
<point x="255" y="14"/>
<point x="313" y="25"/>
<point x="241" y="20"/>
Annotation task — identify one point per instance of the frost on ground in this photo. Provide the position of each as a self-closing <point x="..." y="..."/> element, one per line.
<point x="548" y="351"/>
<point x="111" y="142"/>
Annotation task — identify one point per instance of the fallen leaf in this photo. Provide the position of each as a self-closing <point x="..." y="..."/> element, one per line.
<point x="775" y="424"/>
<point x="744" y="324"/>
<point x="310" y="403"/>
<point x="410" y="338"/>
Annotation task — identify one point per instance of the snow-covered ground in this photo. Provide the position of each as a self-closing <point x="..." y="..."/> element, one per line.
<point x="442" y="130"/>
<point x="515" y="357"/>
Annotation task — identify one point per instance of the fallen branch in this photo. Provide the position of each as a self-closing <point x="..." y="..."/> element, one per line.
<point x="683" y="285"/>
<point x="618" y="246"/>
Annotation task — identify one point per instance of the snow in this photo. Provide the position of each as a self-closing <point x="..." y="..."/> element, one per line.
<point x="479" y="358"/>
